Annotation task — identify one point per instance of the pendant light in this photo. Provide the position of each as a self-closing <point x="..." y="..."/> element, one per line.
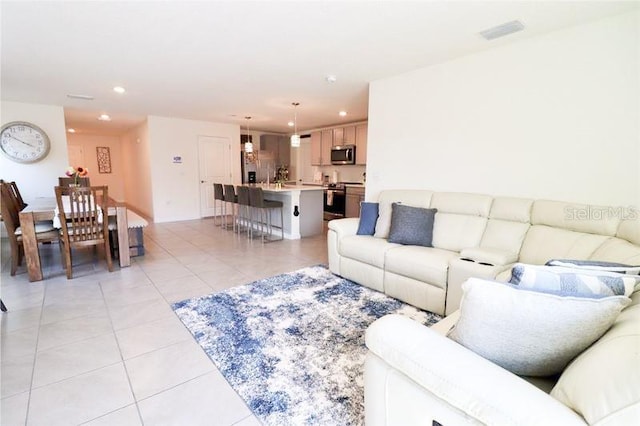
<point x="295" y="138"/>
<point x="248" y="146"/>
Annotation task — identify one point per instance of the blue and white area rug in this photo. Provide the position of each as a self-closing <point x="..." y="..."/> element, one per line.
<point x="292" y="346"/>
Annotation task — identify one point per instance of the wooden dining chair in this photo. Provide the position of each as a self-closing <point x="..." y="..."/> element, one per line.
<point x="66" y="181"/>
<point x="45" y="232"/>
<point x="83" y="220"/>
<point x="16" y="194"/>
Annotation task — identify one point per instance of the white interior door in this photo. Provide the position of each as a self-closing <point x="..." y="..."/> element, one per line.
<point x="215" y="167"/>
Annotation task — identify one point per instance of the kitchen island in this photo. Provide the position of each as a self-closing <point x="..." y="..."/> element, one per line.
<point x="302" y="206"/>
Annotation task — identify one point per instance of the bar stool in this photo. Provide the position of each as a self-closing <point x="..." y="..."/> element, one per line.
<point x="244" y="210"/>
<point x="218" y="196"/>
<point x="265" y="207"/>
<point x="230" y="197"/>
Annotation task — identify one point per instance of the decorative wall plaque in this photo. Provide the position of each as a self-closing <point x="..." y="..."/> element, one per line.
<point x="104" y="159"/>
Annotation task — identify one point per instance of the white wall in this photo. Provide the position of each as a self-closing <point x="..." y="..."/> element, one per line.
<point x="176" y="187"/>
<point x="37" y="179"/>
<point x="136" y="168"/>
<point x="554" y="116"/>
<point x="88" y="144"/>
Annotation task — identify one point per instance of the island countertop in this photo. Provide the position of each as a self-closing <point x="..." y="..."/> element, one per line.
<point x="290" y="188"/>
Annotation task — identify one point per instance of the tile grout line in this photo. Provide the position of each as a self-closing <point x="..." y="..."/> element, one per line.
<point x="124" y="364"/>
<point x="35" y="354"/>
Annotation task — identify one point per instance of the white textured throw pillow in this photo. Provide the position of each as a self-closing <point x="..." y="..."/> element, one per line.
<point x="527" y="332"/>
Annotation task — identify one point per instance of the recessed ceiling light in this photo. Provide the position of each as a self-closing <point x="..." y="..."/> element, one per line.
<point x="331" y="78"/>
<point x="83" y="97"/>
<point x="342" y="113"/>
<point x="290" y="124"/>
<point x="119" y="89"/>
<point x="71" y="130"/>
<point x="104" y="117"/>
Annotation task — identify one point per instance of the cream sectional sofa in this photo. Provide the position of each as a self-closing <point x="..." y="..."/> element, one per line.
<point x="415" y="375"/>
<point x="476" y="235"/>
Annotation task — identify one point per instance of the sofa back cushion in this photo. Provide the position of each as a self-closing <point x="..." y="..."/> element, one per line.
<point x="415" y="198"/>
<point x="508" y="224"/>
<point x="461" y="219"/>
<point x="543" y="243"/>
<point x="629" y="228"/>
<point x="585" y="218"/>
<point x="601" y="384"/>
<point x="618" y="250"/>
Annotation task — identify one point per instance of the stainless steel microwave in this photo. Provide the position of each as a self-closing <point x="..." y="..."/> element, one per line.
<point x="345" y="154"/>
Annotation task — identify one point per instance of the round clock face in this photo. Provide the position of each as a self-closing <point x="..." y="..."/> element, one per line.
<point x="24" y="142"/>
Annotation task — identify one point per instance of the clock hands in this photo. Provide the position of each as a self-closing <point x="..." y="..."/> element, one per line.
<point x="21" y="141"/>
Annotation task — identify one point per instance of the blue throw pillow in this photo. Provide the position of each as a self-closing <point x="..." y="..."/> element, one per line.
<point x="368" y="218"/>
<point x="411" y="225"/>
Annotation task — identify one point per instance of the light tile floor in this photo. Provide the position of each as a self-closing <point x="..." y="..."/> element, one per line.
<point x="106" y="348"/>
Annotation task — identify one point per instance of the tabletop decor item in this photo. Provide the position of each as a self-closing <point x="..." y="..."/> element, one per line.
<point x="76" y="173"/>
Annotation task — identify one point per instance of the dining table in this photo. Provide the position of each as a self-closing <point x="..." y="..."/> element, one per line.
<point x="43" y="208"/>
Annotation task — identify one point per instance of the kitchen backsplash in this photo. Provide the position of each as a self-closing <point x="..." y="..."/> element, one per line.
<point x="345" y="173"/>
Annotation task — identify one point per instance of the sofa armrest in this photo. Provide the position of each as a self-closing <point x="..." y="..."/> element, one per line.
<point x="462" y="379"/>
<point x="344" y="227"/>
<point x="489" y="256"/>
<point x="338" y="229"/>
<point x="461" y="270"/>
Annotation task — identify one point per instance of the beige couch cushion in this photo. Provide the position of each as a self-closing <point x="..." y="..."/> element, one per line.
<point x="617" y="250"/>
<point x="544" y="243"/>
<point x="629" y="229"/>
<point x="462" y="203"/>
<point x="426" y="264"/>
<point x="457" y="231"/>
<point x="511" y="209"/>
<point x="366" y="248"/>
<point x="575" y="217"/>
<point x="504" y="235"/>
<point x="415" y="198"/>
<point x="603" y="383"/>
<point x="461" y="219"/>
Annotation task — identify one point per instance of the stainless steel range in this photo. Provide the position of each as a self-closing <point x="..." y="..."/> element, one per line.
<point x="334" y="201"/>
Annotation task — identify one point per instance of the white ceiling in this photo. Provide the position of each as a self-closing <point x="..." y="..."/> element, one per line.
<point x="221" y="61"/>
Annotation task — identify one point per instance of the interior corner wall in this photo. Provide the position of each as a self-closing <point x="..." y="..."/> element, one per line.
<point x="176" y="186"/>
<point x="88" y="143"/>
<point x="553" y="116"/>
<point x="37" y="179"/>
<point x="136" y="170"/>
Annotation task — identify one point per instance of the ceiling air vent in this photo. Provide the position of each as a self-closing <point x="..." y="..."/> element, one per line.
<point x="502" y="30"/>
<point x="83" y="97"/>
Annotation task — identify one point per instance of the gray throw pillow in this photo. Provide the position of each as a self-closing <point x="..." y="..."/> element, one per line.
<point x="527" y="332"/>
<point x="411" y="225"/>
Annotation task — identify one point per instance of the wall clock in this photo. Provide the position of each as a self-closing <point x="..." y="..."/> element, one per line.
<point x="24" y="142"/>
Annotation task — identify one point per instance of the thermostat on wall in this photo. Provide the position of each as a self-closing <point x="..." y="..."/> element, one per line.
<point x="177" y="159"/>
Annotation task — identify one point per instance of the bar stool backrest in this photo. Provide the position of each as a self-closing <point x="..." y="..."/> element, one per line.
<point x="229" y="194"/>
<point x="256" y="197"/>
<point x="243" y="195"/>
<point x="218" y="192"/>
